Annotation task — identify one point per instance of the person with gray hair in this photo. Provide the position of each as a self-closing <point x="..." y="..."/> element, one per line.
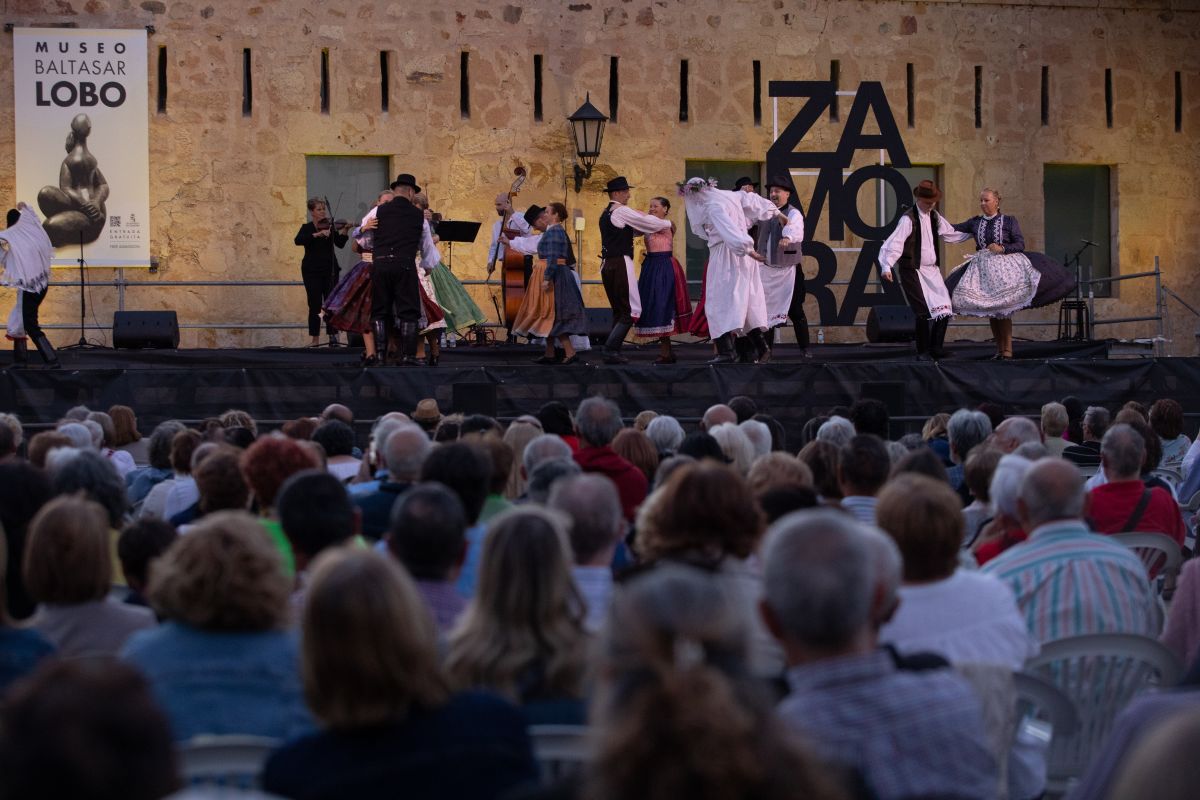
<point x="142" y="480"/>
<point x="1004" y="530"/>
<point x="735" y="446"/>
<point x="404" y="452"/>
<point x="544" y="476"/>
<point x="597" y="422"/>
<point x="373" y="470"/>
<point x="592" y="504"/>
<point x="759" y="435"/>
<point x="108" y="433"/>
<point x="1069" y="581"/>
<point x="965" y="430"/>
<point x="836" y="430"/>
<point x="666" y="433"/>
<point x="1087" y="453"/>
<point x="907" y="733"/>
<point x="543" y="448"/>
<point x="1014" y="432"/>
<point x="1124" y="502"/>
<point x="92" y="474"/>
<point x="1054" y="424"/>
<point x="79" y="435"/>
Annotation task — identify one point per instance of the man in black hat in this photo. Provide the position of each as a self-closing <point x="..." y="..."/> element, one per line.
<point x="395" y="291"/>
<point x="618" y="225"/>
<point x="783" y="283"/>
<point x="912" y="249"/>
<point x="745" y="184"/>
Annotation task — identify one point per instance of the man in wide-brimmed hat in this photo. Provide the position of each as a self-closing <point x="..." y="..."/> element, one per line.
<point x="912" y="249"/>
<point x="782" y="280"/>
<point x="618" y="225"/>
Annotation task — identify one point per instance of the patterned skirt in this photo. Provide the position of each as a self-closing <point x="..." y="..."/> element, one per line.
<point x="663" y="289"/>
<point x="996" y="284"/>
<point x="569" y="317"/>
<point x="536" y="316"/>
<point x="432" y="316"/>
<point x="461" y="310"/>
<point x="348" y="306"/>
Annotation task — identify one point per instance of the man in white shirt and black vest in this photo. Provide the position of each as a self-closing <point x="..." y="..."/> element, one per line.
<point x="618" y="225"/>
<point x="783" y="286"/>
<point x="912" y="249"/>
<point x="395" y="294"/>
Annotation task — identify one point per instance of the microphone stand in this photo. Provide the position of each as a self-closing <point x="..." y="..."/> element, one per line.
<point x="83" y="343"/>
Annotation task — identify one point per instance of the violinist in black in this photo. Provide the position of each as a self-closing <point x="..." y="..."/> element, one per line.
<point x="319" y="268"/>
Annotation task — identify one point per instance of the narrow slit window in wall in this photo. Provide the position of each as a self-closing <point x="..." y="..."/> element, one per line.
<point x="385" y="81"/>
<point x="683" y="90"/>
<point x="324" y="81"/>
<point x="537" y="87"/>
<point x="978" y="97"/>
<point x="162" y="79"/>
<point x="1108" y="98"/>
<point x="757" y="102"/>
<point x="247" y="84"/>
<point x="1178" y="101"/>
<point x="614" y="88"/>
<point x="835" y="75"/>
<point x="1045" y="95"/>
<point x="910" y="92"/>
<point x="464" y="85"/>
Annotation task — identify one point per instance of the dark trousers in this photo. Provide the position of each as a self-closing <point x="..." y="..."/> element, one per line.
<point x="796" y="311"/>
<point x="910" y="283"/>
<point x="616" y="288"/>
<point x="318" y="283"/>
<point x="395" y="292"/>
<point x="30" y="301"/>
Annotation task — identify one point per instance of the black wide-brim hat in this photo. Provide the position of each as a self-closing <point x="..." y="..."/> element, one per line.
<point x="744" y="182"/>
<point x="617" y="184"/>
<point x="532" y="213"/>
<point x="782" y="181"/>
<point x="404" y="179"/>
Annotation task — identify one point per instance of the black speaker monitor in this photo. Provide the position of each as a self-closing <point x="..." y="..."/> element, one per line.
<point x="891" y="324"/>
<point x="136" y="330"/>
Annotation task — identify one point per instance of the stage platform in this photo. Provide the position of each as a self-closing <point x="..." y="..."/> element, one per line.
<point x="281" y="384"/>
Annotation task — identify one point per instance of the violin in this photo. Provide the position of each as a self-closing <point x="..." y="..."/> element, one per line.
<point x="324" y="223"/>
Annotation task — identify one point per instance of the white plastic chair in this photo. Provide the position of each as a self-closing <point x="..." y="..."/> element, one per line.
<point x="1171" y="476"/>
<point x="561" y="750"/>
<point x="225" y="761"/>
<point x="1159" y="552"/>
<point x="1100" y="674"/>
<point x="1088" y="470"/>
<point x="1045" y="701"/>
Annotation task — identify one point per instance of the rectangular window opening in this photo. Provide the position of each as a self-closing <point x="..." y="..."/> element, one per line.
<point x="1078" y="205"/>
<point x="757" y="102"/>
<point x="324" y="81"/>
<point x="537" y="87"/>
<point x="683" y="90"/>
<point x="1045" y="95"/>
<point x="162" y="79"/>
<point x="978" y="97"/>
<point x="247" y="83"/>
<point x="464" y="84"/>
<point x="385" y="81"/>
<point x="1178" y="102"/>
<point x="910" y="92"/>
<point x="835" y="75"/>
<point x="614" y="88"/>
<point x="1108" y="98"/>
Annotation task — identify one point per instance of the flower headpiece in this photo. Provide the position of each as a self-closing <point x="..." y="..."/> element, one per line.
<point x="696" y="185"/>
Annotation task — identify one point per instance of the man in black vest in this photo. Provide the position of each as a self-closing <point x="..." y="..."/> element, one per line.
<point x="913" y="249"/>
<point x="618" y="225"/>
<point x="395" y="292"/>
<point x="783" y="286"/>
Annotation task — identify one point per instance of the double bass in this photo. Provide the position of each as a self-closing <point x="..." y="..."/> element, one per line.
<point x="512" y="275"/>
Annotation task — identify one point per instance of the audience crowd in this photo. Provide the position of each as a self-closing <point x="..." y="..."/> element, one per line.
<point x="725" y="612"/>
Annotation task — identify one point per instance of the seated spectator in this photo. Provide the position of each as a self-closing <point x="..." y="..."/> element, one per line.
<point x="962" y="615"/>
<point x="836" y="430"/>
<point x="1004" y="530"/>
<point x="869" y="415"/>
<point x="158" y="468"/>
<point x="522" y="634"/>
<point x="822" y="460"/>
<point x="1069" y="581"/>
<point x="222" y="662"/>
<point x="636" y="448"/>
<point x="315" y="513"/>
<point x="299" y="428"/>
<point x="1182" y="631"/>
<point x="11" y="435"/>
<point x="908" y="733"/>
<point x="85" y="730"/>
<point x="676" y="714"/>
<point x="700" y="445"/>
<point x="965" y="430"/>
<point x="735" y="446"/>
<point x="1015" y="432"/>
<point x="1124" y="503"/>
<point x="936" y="434"/>
<point x="597" y="528"/>
<point x="520" y="432"/>
<point x="79" y="434"/>
<point x="448" y="429"/>
<point x="922" y="461"/>
<point x="643" y="419"/>
<point x="978" y="473"/>
<point x="1163" y="765"/>
<point x="1054" y="425"/>
<point x="501" y="457"/>
<point x="776" y="470"/>
<point x="21" y="649"/>
<point x="140" y="543"/>
<point x="863" y="468"/>
<point x="1149" y="463"/>
<point x="120" y="459"/>
<point x="541" y="448"/>
<point x="180" y="486"/>
<point x="718" y="414"/>
<point x="545" y="475"/>
<point x="1087" y="452"/>
<point x="667" y="468"/>
<point x="779" y="501"/>
<point x="338" y="440"/>
<point x="556" y="418"/>
<point x="68" y="571"/>
<point x="479" y="423"/>
<point x="597" y="422"/>
<point x="778" y="433"/>
<point x="759" y="435"/>
<point x="390" y="723"/>
<point x="1166" y="418"/>
<point x="266" y="465"/>
<point x="404" y="453"/>
<point x="706" y="517"/>
<point x="428" y="535"/>
<point x="42" y="443"/>
<point x="24" y="489"/>
<point x="466" y="470"/>
<point x="220" y="484"/>
<point x="126" y="436"/>
<point x="237" y="418"/>
<point x="95" y="476"/>
<point x="339" y="412"/>
<point x="666" y="433"/>
<point x="743" y="408"/>
<point x="373" y="470"/>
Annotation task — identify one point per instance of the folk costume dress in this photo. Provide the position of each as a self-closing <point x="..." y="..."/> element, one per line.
<point x="461" y="311"/>
<point x="348" y="306"/>
<point x="779" y="283"/>
<point x="26" y="252"/>
<point x="433" y="317"/>
<point x="662" y="286"/>
<point x="998" y="284"/>
<point x="553" y="248"/>
<point x="535" y="317"/>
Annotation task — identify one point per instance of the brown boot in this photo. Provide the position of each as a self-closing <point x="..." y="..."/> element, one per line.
<point x="1006" y="333"/>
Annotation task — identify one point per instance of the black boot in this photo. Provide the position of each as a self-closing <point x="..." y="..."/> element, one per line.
<point x="380" y="329"/>
<point x="761" y="350"/>
<point x="435" y="351"/>
<point x="724" y="344"/>
<point x="20" y="352"/>
<point x="937" y="339"/>
<point x="922" y="334"/>
<point x="743" y="350"/>
<point x="614" y="342"/>
<point x="409" y="331"/>
<point x="46" y="351"/>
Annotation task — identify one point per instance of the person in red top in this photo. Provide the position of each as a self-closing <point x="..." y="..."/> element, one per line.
<point x="597" y="422"/>
<point x="1125" y="503"/>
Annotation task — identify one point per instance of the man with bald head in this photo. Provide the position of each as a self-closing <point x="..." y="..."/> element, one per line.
<point x="717" y="415"/>
<point x="339" y="412"/>
<point x="404" y="453"/>
<point x="1014" y="432"/>
<point x="1124" y="502"/>
<point x="508" y="219"/>
<point x="1069" y="581"/>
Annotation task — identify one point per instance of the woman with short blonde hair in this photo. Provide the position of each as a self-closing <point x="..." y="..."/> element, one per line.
<point x="371" y="676"/>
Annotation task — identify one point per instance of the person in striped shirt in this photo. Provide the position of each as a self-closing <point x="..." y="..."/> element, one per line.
<point x="1068" y="580"/>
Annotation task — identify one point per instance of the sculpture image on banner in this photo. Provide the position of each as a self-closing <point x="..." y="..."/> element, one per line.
<point x="91" y="86"/>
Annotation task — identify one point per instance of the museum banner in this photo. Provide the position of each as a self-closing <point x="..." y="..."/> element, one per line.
<point x="82" y="145"/>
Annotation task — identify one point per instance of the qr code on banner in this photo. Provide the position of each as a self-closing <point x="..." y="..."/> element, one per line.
<point x="114" y="222"/>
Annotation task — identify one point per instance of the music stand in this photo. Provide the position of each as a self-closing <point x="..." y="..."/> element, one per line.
<point x="451" y="231"/>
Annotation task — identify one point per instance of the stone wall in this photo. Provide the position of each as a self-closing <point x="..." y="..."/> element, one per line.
<point x="228" y="190"/>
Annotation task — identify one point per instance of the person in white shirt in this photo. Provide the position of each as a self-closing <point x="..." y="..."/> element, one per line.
<point x="912" y="249"/>
<point x="783" y="285"/>
<point x="509" y="219"/>
<point x="26" y="252"/>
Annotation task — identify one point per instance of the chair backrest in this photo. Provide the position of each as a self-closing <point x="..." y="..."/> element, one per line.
<point x="1088" y="470"/>
<point x="1168" y="474"/>
<point x="228" y="761"/>
<point x="1159" y="552"/>
<point x="1100" y="673"/>
<point x="1044" y="700"/>
<point x="561" y="750"/>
